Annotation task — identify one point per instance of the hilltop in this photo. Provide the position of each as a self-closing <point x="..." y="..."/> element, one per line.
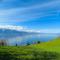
<point x="53" y="45"/>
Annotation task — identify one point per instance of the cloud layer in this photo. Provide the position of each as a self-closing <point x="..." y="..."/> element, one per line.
<point x="20" y="28"/>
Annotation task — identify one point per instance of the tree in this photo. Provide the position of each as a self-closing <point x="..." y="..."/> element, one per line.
<point x="38" y="42"/>
<point x="28" y="43"/>
<point x="16" y="44"/>
<point x="3" y="43"/>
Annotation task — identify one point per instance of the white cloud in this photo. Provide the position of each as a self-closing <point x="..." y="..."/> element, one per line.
<point x="21" y="28"/>
<point x="17" y="28"/>
<point x="12" y="27"/>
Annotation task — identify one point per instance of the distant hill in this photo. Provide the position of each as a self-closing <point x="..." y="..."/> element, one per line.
<point x="8" y="33"/>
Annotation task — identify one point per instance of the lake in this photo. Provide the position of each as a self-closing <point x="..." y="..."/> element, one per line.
<point x="31" y="39"/>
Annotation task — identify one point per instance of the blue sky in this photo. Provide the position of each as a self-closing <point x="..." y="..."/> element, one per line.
<point x="31" y="14"/>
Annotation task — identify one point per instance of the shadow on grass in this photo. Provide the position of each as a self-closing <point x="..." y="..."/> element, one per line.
<point x="39" y="56"/>
<point x="31" y="55"/>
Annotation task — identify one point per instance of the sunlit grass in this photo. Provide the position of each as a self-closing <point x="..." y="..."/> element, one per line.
<point x="40" y="51"/>
<point x="53" y="45"/>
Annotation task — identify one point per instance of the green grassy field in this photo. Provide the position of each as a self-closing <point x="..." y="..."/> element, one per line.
<point x="53" y="45"/>
<point x="43" y="51"/>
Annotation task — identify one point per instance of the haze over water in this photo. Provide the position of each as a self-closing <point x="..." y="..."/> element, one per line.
<point x="32" y="39"/>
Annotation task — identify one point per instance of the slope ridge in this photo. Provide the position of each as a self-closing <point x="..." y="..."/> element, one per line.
<point x="53" y="45"/>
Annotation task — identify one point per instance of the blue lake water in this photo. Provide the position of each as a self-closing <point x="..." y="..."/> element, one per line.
<point x="13" y="37"/>
<point x="32" y="39"/>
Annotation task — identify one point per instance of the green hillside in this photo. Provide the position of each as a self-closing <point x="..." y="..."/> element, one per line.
<point x="42" y="51"/>
<point x="53" y="45"/>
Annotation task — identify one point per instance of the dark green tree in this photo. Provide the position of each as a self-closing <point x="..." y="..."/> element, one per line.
<point x="28" y="43"/>
<point x="38" y="42"/>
